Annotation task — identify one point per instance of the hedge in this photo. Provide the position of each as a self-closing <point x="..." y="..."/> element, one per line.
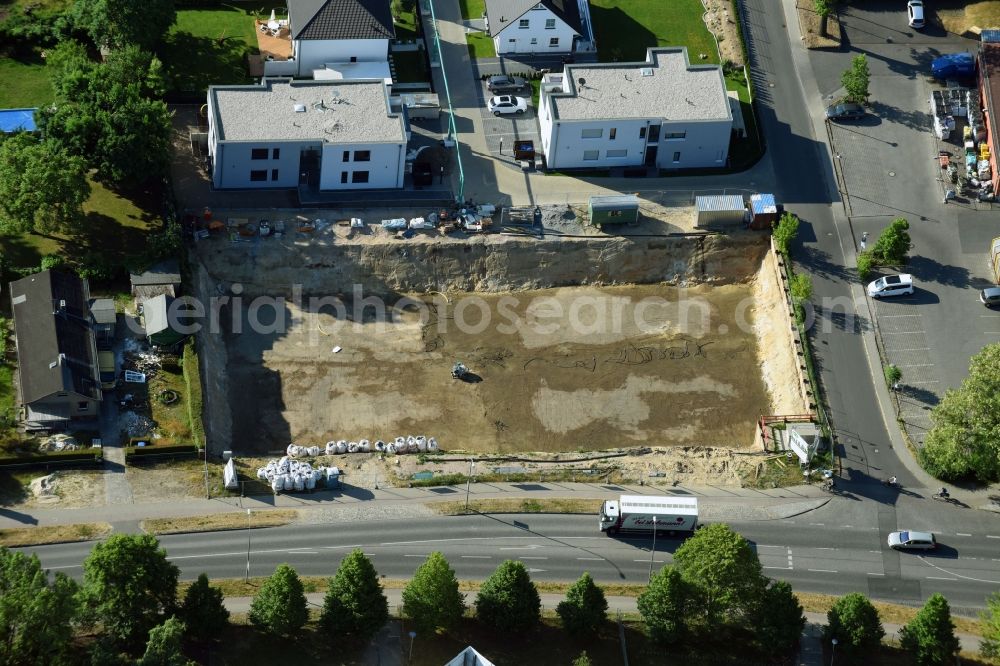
<point x="152" y="452"/>
<point x="53" y="458"/>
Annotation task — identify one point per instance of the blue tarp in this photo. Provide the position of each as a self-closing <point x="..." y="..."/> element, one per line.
<point x="13" y="120"/>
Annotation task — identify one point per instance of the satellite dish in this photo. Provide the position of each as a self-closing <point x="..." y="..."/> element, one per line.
<point x="582" y="81"/>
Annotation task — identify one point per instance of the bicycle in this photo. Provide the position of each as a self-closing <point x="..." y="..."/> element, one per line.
<point x="942" y="497"/>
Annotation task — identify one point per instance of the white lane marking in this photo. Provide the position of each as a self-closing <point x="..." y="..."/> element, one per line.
<point x="940" y="578"/>
<point x="525" y="557"/>
<point x="958" y="575"/>
<point x="821" y="570"/>
<point x="916" y="365"/>
<point x="876" y="574"/>
<point x="779" y="568"/>
<point x="646" y="560"/>
<point x="897" y="315"/>
<point x="923" y="381"/>
<point x="591" y="559"/>
<point x="760" y="545"/>
<point x="962" y="534"/>
<point x="912" y="349"/>
<point x="823" y="548"/>
<point x="817" y="524"/>
<point x="66" y="566"/>
<point x="408" y="555"/>
<point x="992" y="536"/>
<point x="475" y="557"/>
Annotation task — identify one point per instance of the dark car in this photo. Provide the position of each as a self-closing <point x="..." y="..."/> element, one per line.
<point x="505" y="84"/>
<point x="846" y="111"/>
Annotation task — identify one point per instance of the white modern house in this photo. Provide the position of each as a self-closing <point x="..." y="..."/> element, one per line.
<point x="320" y="134"/>
<point x="332" y="31"/>
<point x="539" y="27"/>
<point x="664" y="113"/>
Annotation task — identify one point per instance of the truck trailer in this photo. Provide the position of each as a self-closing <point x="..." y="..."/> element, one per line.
<point x="644" y="513"/>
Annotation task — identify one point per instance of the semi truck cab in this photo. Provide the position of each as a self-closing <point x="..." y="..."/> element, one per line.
<point x="609" y="514"/>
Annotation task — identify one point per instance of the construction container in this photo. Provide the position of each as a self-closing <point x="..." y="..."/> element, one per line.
<point x="720" y="210"/>
<point x="613" y="209"/>
<point x="763" y="211"/>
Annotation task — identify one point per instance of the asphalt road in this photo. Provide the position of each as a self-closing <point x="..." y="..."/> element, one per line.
<point x="817" y="552"/>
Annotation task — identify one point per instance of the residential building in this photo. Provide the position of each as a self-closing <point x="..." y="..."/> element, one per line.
<point x="664" y="113"/>
<point x="539" y="27"/>
<point x="58" y="376"/>
<point x="161" y="278"/>
<point x="330" y="31"/>
<point x="318" y="134"/>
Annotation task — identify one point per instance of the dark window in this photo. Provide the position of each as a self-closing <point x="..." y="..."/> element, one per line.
<point x="523" y="23"/>
<point x="354" y="58"/>
<point x="642" y="132"/>
<point x="258" y="176"/>
<point x="675" y="135"/>
<point x="274" y="174"/>
<point x="550" y="24"/>
<point x="276" y="154"/>
<point x="83" y="406"/>
<point x="347" y="156"/>
<point x="258" y="153"/>
<point x="359" y="177"/>
<point x="677" y="157"/>
<point x="554" y="41"/>
<point x="362" y="156"/>
<point x="654" y="133"/>
<point x="343" y="176"/>
<point x="612" y="132"/>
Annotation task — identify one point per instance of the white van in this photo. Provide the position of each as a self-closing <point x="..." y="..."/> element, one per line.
<point x="910" y="539"/>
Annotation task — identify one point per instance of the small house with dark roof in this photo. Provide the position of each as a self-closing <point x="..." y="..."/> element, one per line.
<point x="58" y="375"/>
<point x="334" y="31"/>
<point x="162" y="278"/>
<point x="539" y="27"/>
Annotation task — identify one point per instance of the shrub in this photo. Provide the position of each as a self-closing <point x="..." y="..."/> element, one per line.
<point x="865" y="263"/>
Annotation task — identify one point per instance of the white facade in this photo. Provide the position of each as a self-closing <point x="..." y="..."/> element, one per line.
<point x="325" y="135"/>
<point x="663" y="113"/>
<point x="539" y="31"/>
<point x="313" y="54"/>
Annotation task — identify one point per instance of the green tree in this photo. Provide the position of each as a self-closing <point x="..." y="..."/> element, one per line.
<point x="164" y="647"/>
<point x="664" y="605"/>
<point x="355" y="603"/>
<point x="801" y="287"/>
<point x="119" y="23"/>
<point x="856" y="80"/>
<point x="582" y="659"/>
<point x="930" y="636"/>
<point x="784" y="233"/>
<point x="892" y="374"/>
<point x="279" y="607"/>
<point x="893" y="243"/>
<point x="990" y="645"/>
<point x="508" y="600"/>
<point x="854" y="622"/>
<point x="203" y="611"/>
<point x="865" y="263"/>
<point x="824" y="9"/>
<point x="128" y="586"/>
<point x="723" y="571"/>
<point x="585" y="610"/>
<point x="431" y="599"/>
<point x="779" y="623"/>
<point x="42" y="188"/>
<point x="37" y="616"/>
<point x="964" y="442"/>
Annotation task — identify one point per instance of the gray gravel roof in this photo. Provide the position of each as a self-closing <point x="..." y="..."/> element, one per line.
<point x="341" y="112"/>
<point x="676" y="90"/>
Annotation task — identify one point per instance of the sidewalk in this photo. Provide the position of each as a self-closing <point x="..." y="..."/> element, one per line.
<point x="717" y="503"/>
<point x="811" y="647"/>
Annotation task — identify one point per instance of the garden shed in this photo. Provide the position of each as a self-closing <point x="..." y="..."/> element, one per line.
<point x="720" y="210"/>
<point x="613" y="209"/>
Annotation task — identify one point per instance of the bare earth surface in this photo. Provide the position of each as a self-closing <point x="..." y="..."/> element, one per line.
<point x="724" y="24"/>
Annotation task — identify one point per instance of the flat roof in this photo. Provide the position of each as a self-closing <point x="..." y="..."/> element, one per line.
<point x="665" y="86"/>
<point x="342" y="112"/>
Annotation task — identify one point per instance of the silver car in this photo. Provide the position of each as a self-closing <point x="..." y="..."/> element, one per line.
<point x="908" y="539"/>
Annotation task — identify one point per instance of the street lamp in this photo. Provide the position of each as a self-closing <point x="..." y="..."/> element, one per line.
<point x="653" y="551"/>
<point x="249" y="513"/>
<point x="468" y="483"/>
<point x="413" y="635"/>
<point x="833" y="649"/>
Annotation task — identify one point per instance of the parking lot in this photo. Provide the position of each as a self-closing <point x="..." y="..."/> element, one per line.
<point x="503" y="131"/>
<point x="887" y="165"/>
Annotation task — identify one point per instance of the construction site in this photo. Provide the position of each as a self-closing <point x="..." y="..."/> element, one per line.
<point x="567" y="342"/>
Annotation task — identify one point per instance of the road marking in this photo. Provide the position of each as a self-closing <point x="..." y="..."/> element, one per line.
<point x="760" y="545"/>
<point x="525" y="557"/>
<point x="414" y="555"/>
<point x="821" y="570"/>
<point x="301" y="551"/>
<point x="924" y="381"/>
<point x="475" y="557"/>
<point x="962" y="534"/>
<point x="940" y="578"/>
<point x="992" y="536"/>
<point x="645" y="560"/>
<point x="874" y="551"/>
<point x="876" y="574"/>
<point x="823" y="548"/>
<point x="897" y="315"/>
<point x="779" y="568"/>
<point x="911" y="349"/>
<point x="900" y="332"/>
<point x="817" y="524"/>
<point x="593" y="559"/>
<point x="67" y="566"/>
<point x="957" y="575"/>
<point x="916" y="365"/>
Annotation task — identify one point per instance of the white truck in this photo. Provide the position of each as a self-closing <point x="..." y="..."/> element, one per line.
<point x="644" y="513"/>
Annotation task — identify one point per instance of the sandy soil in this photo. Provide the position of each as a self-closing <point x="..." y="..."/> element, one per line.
<point x="809" y="25"/>
<point x="73" y="488"/>
<point x="179" y="479"/>
<point x="970" y="18"/>
<point x="725" y="26"/>
<point x="556" y="370"/>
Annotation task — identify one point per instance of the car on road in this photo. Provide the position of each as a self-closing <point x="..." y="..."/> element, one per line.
<point x="891" y="285"/>
<point x="915" y="13"/>
<point x="502" y="105"/>
<point x="908" y="539"/>
<point x="845" y="111"/>
<point x="505" y="84"/>
<point x="990" y="297"/>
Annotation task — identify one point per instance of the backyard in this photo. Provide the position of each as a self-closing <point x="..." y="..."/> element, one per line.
<point x="33" y="88"/>
<point x="624" y="29"/>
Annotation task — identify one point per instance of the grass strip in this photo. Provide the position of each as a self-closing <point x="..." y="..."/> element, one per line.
<point x="218" y="521"/>
<point x="555" y="505"/>
<point x="37" y="536"/>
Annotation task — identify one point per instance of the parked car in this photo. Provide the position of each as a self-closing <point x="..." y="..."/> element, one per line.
<point x="910" y="539"/>
<point x="954" y="66"/>
<point x="990" y="297"/>
<point x="891" y="285"/>
<point x="915" y="13"/>
<point x="505" y="84"/>
<point x="506" y="104"/>
<point x="845" y="111"/>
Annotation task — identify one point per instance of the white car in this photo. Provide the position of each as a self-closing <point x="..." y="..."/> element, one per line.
<point x="915" y="13"/>
<point x="505" y="104"/>
<point x="911" y="539"/>
<point x="891" y="285"/>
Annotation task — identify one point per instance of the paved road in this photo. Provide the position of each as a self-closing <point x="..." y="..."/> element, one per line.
<point x="816" y="552"/>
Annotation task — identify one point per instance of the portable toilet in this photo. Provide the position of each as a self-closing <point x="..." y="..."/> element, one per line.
<point x="763" y="211"/>
<point x="614" y="209"/>
<point x="719" y="210"/>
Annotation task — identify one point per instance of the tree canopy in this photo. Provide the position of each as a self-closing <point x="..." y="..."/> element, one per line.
<point x="857" y="79"/>
<point x="585" y="610"/>
<point x="990" y="646"/>
<point x="279" y="607"/>
<point x="119" y="23"/>
<point x="355" y="603"/>
<point x="431" y="599"/>
<point x="930" y="636"/>
<point x="664" y="605"/>
<point x="855" y="623"/>
<point x="779" y="621"/>
<point x="165" y="645"/>
<point x="508" y="600"/>
<point x="893" y="243"/>
<point x="37" y="617"/>
<point x="964" y="442"/>
<point x="129" y="586"/>
<point x="203" y="611"/>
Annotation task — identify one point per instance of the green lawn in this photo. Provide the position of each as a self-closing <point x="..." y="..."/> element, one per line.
<point x="744" y="152"/>
<point x="411" y="66"/>
<point x="26" y="83"/>
<point x="408" y="25"/>
<point x="624" y="29"/>
<point x="472" y="9"/>
<point x="209" y="46"/>
<point x="480" y="45"/>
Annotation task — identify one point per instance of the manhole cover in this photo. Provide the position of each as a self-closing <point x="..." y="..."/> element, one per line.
<point x="892" y="174"/>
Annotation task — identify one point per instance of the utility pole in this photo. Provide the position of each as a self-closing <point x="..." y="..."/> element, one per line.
<point x="249" y="513"/>
<point x="653" y="551"/>
<point x="468" y="483"/>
